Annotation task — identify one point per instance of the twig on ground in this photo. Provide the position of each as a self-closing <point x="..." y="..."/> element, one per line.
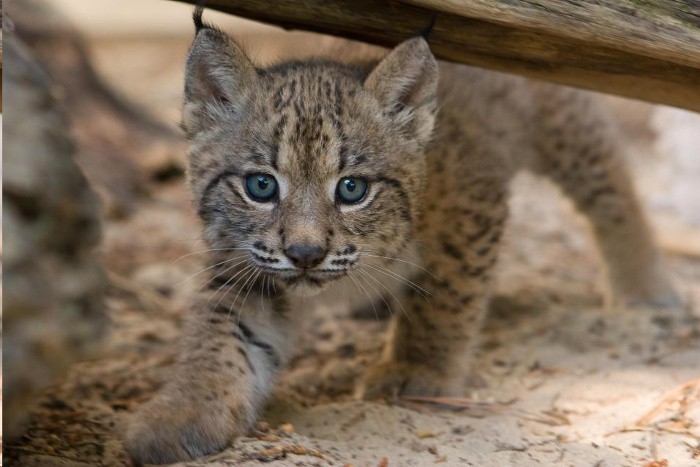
<point x="687" y="433"/>
<point x="469" y="406"/>
<point x="683" y="396"/>
<point x="654" y="450"/>
<point x="555" y="419"/>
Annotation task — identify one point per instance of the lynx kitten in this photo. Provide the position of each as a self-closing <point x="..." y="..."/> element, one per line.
<point x="309" y="175"/>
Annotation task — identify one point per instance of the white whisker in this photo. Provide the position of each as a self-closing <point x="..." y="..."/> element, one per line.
<point x="368" y="297"/>
<point x="220" y="273"/>
<point x="240" y="311"/>
<point x="402" y="261"/>
<point x="393" y="295"/>
<point x="209" y="250"/>
<point x="223" y="295"/>
<point x="247" y="268"/>
<point x="209" y="268"/>
<point x="420" y="290"/>
<point x="378" y="292"/>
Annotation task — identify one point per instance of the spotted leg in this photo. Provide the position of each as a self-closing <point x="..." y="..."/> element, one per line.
<point x="228" y="363"/>
<point x="430" y="347"/>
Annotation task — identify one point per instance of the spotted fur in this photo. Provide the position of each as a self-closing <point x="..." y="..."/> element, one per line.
<point x="431" y="222"/>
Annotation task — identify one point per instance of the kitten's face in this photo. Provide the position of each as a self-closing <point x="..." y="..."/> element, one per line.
<point x="315" y="170"/>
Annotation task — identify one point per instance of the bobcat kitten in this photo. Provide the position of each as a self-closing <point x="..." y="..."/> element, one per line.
<point x="313" y="175"/>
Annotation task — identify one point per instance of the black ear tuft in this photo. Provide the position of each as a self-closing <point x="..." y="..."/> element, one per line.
<point x="217" y="71"/>
<point x="425" y="32"/>
<point x="197" y="18"/>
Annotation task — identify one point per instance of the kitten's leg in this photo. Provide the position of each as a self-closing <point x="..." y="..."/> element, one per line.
<point x="430" y="347"/>
<point x="581" y="151"/>
<point x="228" y="362"/>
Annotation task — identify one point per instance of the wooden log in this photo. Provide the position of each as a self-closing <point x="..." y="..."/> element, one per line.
<point x="643" y="49"/>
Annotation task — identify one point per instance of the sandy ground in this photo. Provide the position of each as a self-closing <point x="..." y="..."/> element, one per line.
<point x="569" y="381"/>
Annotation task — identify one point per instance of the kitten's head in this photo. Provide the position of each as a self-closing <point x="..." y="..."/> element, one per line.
<point x="314" y="167"/>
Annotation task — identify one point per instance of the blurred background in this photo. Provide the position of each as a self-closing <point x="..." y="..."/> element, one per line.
<point x="563" y="371"/>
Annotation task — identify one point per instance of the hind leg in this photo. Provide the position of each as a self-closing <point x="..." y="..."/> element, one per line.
<point x="581" y="152"/>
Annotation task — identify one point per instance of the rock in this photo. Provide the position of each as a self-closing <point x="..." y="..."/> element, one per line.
<point x="119" y="146"/>
<point x="53" y="283"/>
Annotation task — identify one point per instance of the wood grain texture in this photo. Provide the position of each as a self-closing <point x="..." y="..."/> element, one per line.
<point x="644" y="49"/>
<point x="667" y="29"/>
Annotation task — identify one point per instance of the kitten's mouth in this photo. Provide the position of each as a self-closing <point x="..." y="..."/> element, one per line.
<point x="306" y="283"/>
<point x="313" y="277"/>
<point x="317" y="275"/>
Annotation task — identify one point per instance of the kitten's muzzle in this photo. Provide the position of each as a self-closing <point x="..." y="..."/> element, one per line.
<point x="305" y="256"/>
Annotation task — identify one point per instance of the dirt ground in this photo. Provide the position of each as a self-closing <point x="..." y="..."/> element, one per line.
<point x="569" y="380"/>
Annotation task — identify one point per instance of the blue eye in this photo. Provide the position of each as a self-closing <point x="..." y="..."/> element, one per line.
<point x="261" y="187"/>
<point x="351" y="189"/>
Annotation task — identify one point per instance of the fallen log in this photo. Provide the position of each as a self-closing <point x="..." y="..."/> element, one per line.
<point x="648" y="50"/>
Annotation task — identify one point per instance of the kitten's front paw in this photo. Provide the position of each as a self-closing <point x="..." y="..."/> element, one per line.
<point x="168" y="430"/>
<point x="391" y="379"/>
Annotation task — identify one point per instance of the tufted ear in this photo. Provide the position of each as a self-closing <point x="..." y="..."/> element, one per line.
<point x="218" y="74"/>
<point x="406" y="81"/>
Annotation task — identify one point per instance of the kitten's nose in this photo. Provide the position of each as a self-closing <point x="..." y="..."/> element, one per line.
<point x="305" y="256"/>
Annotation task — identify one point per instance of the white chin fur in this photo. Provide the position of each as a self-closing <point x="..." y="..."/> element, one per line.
<point x="301" y="289"/>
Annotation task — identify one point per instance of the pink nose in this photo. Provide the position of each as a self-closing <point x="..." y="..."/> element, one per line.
<point x="305" y="256"/>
